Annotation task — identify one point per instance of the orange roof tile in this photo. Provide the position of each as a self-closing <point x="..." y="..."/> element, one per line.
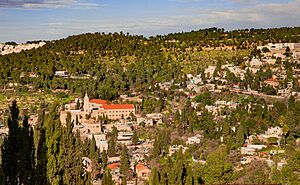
<point x="141" y="166"/>
<point x="272" y="80"/>
<point x="98" y="101"/>
<point x="113" y="166"/>
<point x="118" y="106"/>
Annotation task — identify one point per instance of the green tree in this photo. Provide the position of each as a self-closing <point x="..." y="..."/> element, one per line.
<point x="107" y="178"/>
<point x="291" y="171"/>
<point x="104" y="158"/>
<point x="125" y="163"/>
<point x="112" y="142"/>
<point x="257" y="172"/>
<point x="27" y="154"/>
<point x="41" y="153"/>
<point x="218" y="170"/>
<point x="265" y="50"/>
<point x="135" y="138"/>
<point x="72" y="157"/>
<point x="11" y="147"/>
<point x="78" y="106"/>
<point x="18" y="150"/>
<point x="53" y="135"/>
<point x="154" y="180"/>
<point x="93" y="149"/>
<point x="240" y="136"/>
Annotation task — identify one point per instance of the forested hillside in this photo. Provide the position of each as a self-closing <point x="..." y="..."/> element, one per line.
<point x="176" y="134"/>
<point x="112" y="63"/>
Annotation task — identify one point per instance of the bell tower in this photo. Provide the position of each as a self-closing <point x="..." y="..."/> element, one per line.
<point x="86" y="103"/>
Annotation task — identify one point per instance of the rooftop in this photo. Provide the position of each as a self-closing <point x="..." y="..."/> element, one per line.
<point x="271" y="80"/>
<point x="113" y="166"/>
<point x="141" y="166"/>
<point x="118" y="106"/>
<point x="98" y="101"/>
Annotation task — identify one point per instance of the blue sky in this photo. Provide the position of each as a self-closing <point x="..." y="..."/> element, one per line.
<point x="23" y="20"/>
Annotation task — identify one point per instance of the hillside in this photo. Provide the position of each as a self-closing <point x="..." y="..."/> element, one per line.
<point x="113" y="63"/>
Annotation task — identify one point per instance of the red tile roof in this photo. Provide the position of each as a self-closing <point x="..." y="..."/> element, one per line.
<point x="113" y="166"/>
<point x="141" y="166"/>
<point x="118" y="106"/>
<point x="98" y="101"/>
<point x="272" y="80"/>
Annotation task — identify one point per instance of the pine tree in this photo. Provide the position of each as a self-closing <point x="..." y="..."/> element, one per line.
<point x="218" y="170"/>
<point x="291" y="171"/>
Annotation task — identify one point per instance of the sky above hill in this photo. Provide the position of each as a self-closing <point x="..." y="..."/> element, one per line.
<point x="23" y="20"/>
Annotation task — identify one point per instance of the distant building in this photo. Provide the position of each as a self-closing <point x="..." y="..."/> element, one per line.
<point x="194" y="140"/>
<point x="115" y="171"/>
<point x="272" y="82"/>
<point x="63" y="74"/>
<point x="209" y="71"/>
<point x="174" y="149"/>
<point x="143" y="171"/>
<point x="101" y="142"/>
<point x="283" y="92"/>
<point x="125" y="138"/>
<point x="98" y="107"/>
<point x="251" y="149"/>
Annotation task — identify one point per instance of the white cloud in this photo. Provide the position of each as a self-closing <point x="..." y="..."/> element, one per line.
<point x="47" y="4"/>
<point x="254" y="16"/>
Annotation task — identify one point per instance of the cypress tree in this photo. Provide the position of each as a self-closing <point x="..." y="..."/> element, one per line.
<point x="134" y="137"/>
<point x="53" y="132"/>
<point x="124" y="166"/>
<point x="240" y="136"/>
<point x="41" y="156"/>
<point x="104" y="158"/>
<point x="154" y="177"/>
<point x="107" y="178"/>
<point x="10" y="149"/>
<point x="93" y="149"/>
<point x="26" y="154"/>
<point x="124" y="180"/>
<point x="112" y="142"/>
<point x="18" y="150"/>
<point x="94" y="157"/>
<point x="72" y="159"/>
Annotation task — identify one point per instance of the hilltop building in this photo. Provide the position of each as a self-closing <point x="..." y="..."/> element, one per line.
<point x="96" y="108"/>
